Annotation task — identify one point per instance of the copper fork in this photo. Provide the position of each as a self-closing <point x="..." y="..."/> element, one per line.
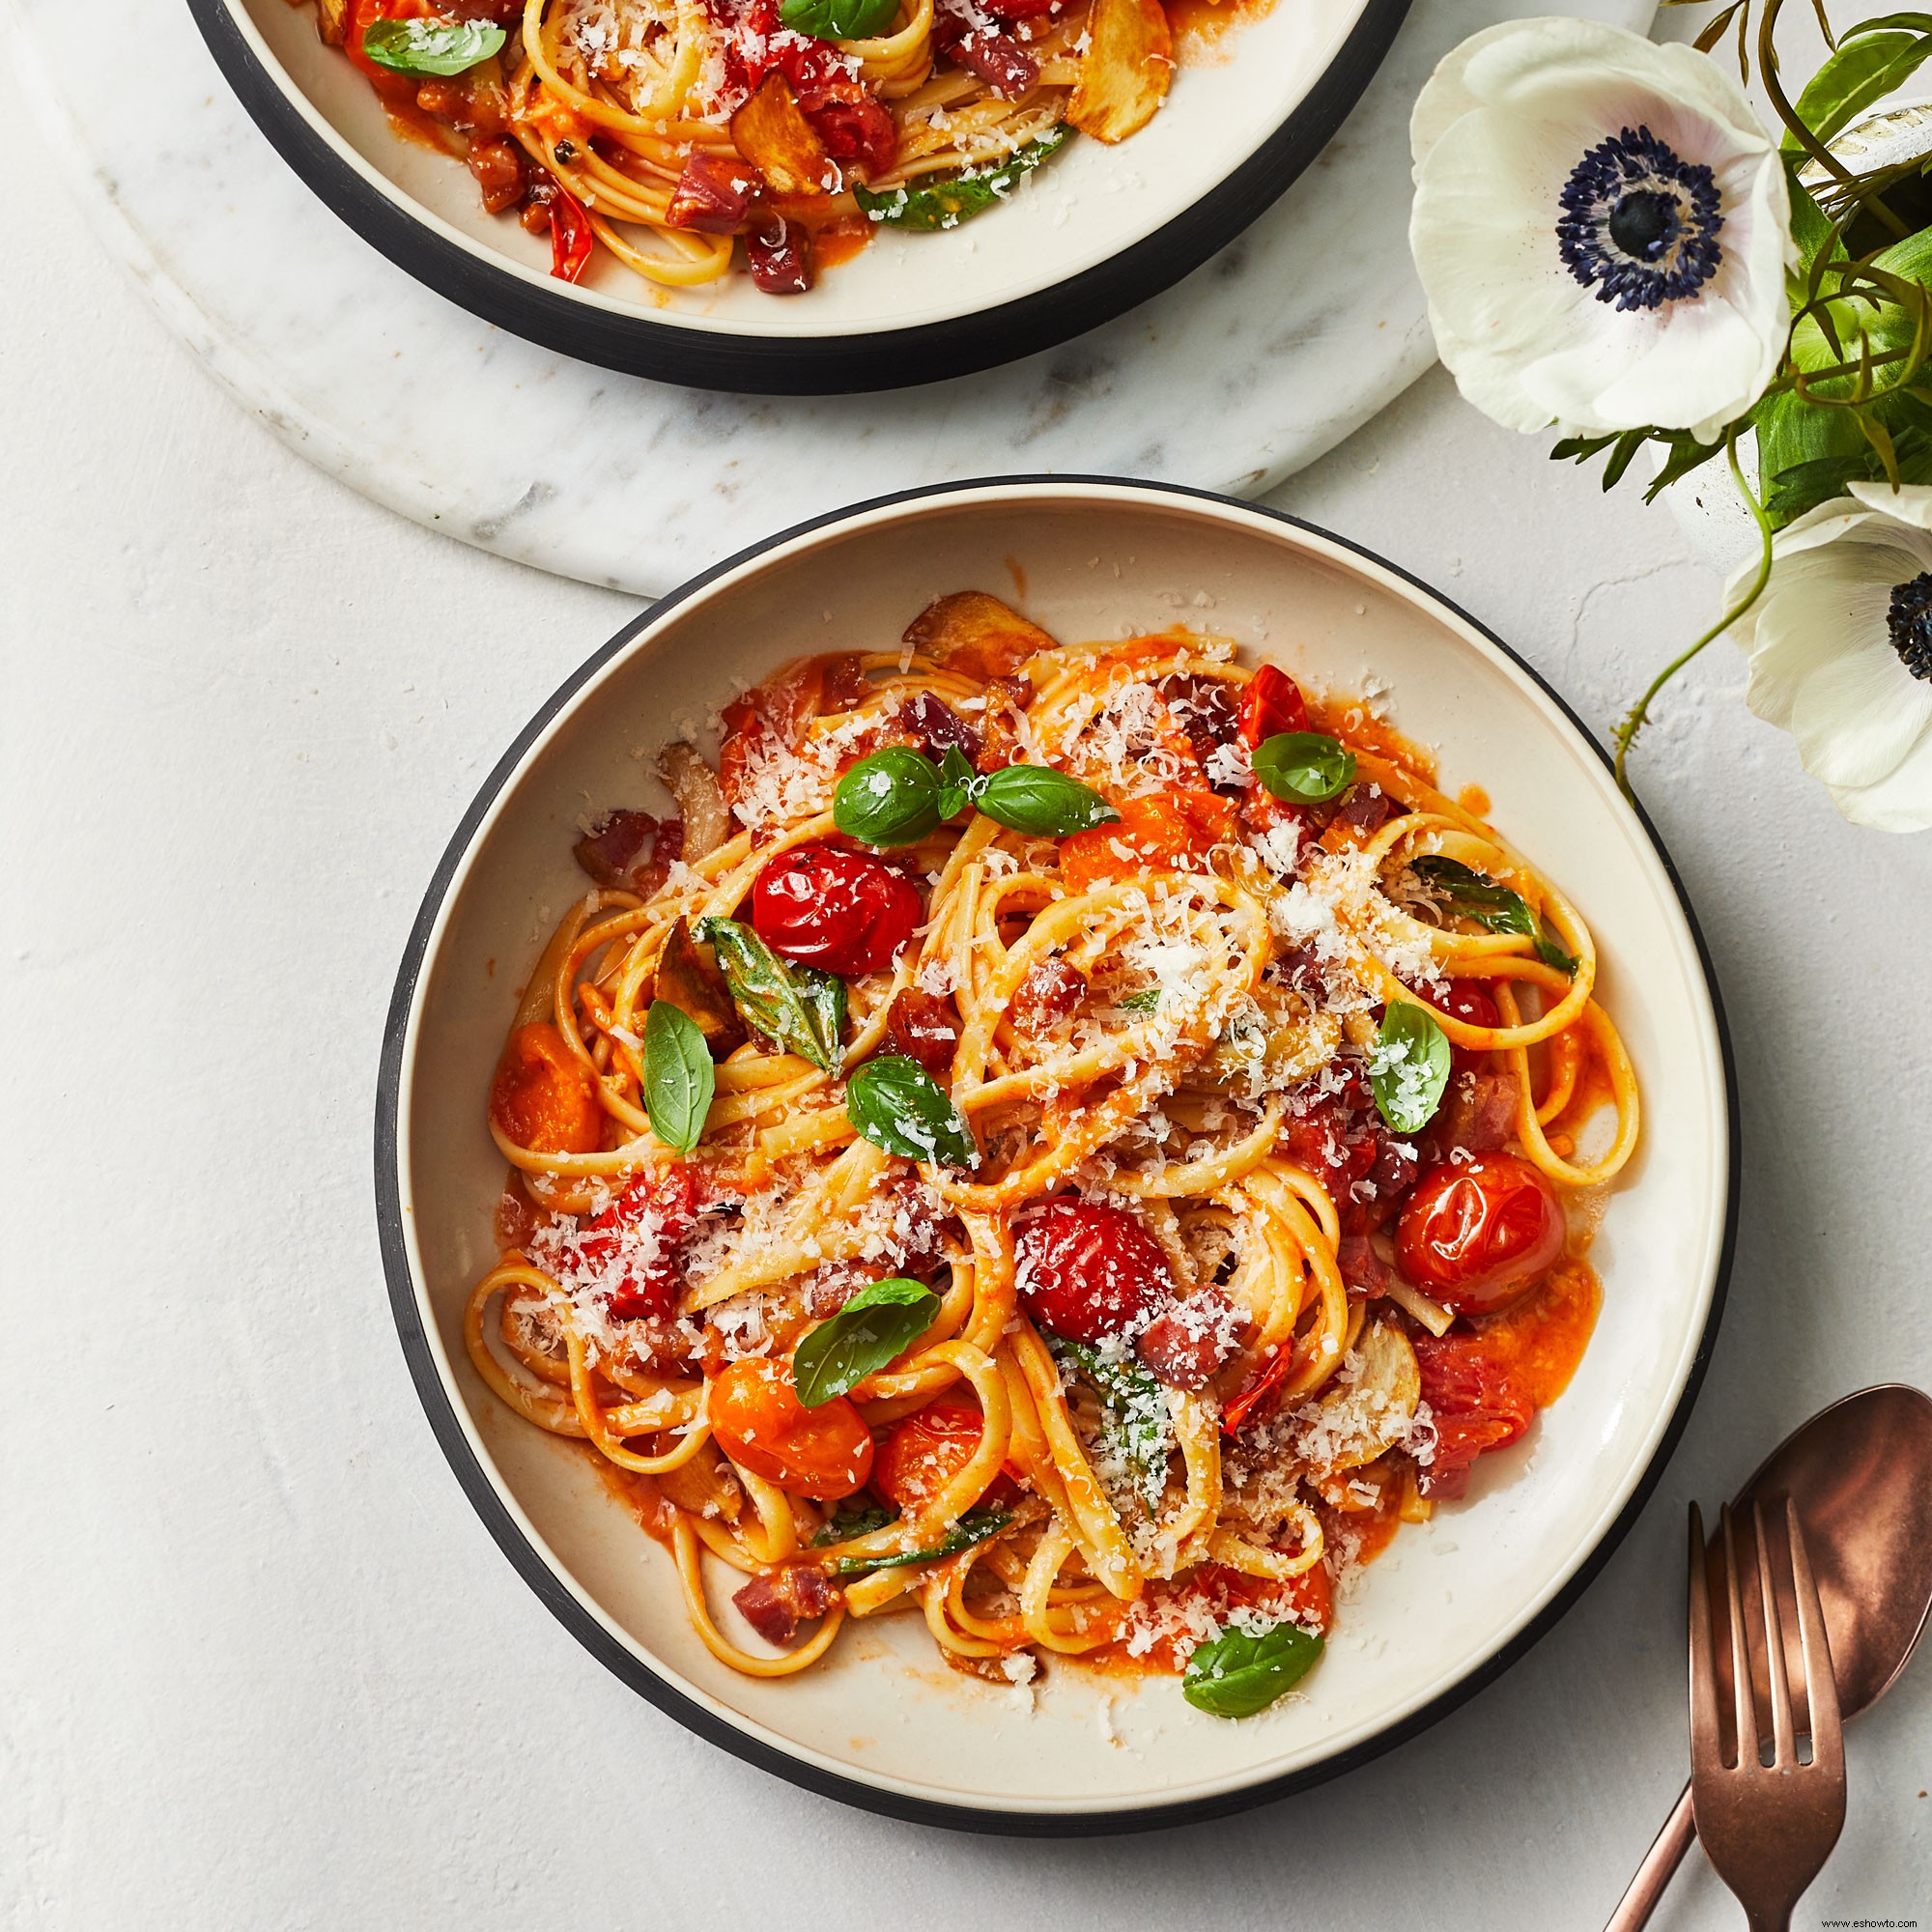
<point x="1768" y="1826"/>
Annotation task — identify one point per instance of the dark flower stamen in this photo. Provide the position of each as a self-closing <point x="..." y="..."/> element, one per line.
<point x="1639" y="223"/>
<point x="1910" y="622"/>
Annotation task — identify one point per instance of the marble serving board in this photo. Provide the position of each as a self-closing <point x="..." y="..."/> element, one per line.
<point x="1253" y="366"/>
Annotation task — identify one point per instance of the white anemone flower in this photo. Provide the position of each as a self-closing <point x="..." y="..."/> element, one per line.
<point x="1601" y="228"/>
<point x="1841" y="649"/>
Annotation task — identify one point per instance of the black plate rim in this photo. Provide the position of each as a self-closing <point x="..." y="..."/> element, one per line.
<point x="821" y="365"/>
<point x="530" y="1563"/>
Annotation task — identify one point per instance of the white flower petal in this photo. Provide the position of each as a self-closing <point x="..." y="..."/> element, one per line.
<point x="1797" y="634"/>
<point x="1859" y="714"/>
<point x="1909" y="504"/>
<point x="1899" y="802"/>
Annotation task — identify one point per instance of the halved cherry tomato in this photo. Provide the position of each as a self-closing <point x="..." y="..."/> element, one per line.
<point x="1309" y="1597"/>
<point x="1476" y="1232"/>
<point x="1166" y="831"/>
<point x="1476" y="1404"/>
<point x="843" y="911"/>
<point x="571" y="235"/>
<point x="1271" y="704"/>
<point x="823" y="1453"/>
<point x="634" y="1244"/>
<point x="1089" y="1271"/>
<point x="1466" y="1000"/>
<point x="544" y="1098"/>
<point x="926" y="1451"/>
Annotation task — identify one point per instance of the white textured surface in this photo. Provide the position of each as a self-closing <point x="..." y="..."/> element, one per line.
<point x="262" y="1668"/>
<point x="1253" y="366"/>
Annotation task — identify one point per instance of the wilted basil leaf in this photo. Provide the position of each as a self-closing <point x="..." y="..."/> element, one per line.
<point x="1145" y="1000"/>
<point x="1235" y="1675"/>
<point x="1133" y="1411"/>
<point x="839" y="19"/>
<point x="421" y="47"/>
<point x="800" y="1008"/>
<point x="679" y="1078"/>
<point x="1304" y="767"/>
<point x="877" y="1324"/>
<point x="1410" y="1067"/>
<point x="1039" y="800"/>
<point x="898" y="1105"/>
<point x="890" y="798"/>
<point x="1494" y="907"/>
<point x="974" y="1526"/>
<point x="846" y="1525"/>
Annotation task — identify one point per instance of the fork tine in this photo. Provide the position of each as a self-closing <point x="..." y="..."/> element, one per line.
<point x="1705" y="1744"/>
<point x="1784" y="1752"/>
<point x="1743" y="1714"/>
<point x="1821" y="1684"/>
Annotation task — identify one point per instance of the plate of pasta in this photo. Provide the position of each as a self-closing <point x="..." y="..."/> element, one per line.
<point x="1051" y="1157"/>
<point x="798" y="195"/>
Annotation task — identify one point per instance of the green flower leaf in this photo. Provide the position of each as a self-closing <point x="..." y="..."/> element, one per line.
<point x="800" y="1008"/>
<point x="1304" y="767"/>
<point x="890" y="798"/>
<point x="974" y="1526"/>
<point x="679" y="1078"/>
<point x="1872" y="61"/>
<point x="422" y="46"/>
<point x="1495" y="908"/>
<point x="896" y="1104"/>
<point x="876" y="1326"/>
<point x="839" y="19"/>
<point x="1133" y="1411"/>
<point x="1039" y="800"/>
<point x="1409" y="1069"/>
<point x="1237" y="1674"/>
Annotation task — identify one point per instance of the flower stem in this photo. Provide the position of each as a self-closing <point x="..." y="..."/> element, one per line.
<point x="1639" y="712"/>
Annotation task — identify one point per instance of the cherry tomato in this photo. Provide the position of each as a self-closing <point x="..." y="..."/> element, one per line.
<point x="571" y="235"/>
<point x="1166" y="832"/>
<point x="823" y="1453"/>
<point x="1476" y="1403"/>
<point x="1087" y="1272"/>
<point x="926" y="1451"/>
<point x="634" y="1245"/>
<point x="843" y="911"/>
<point x="544" y="1098"/>
<point x="1271" y="704"/>
<point x="1308" y="1598"/>
<point x="1476" y="1232"/>
<point x="1466" y="1000"/>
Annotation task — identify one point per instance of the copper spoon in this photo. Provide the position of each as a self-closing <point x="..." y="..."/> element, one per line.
<point x="1860" y="1473"/>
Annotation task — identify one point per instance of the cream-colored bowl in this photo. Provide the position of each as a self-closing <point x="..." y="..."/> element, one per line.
<point x="1085" y="238"/>
<point x="884" y="1723"/>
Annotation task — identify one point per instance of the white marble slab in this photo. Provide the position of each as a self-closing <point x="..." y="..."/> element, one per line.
<point x="1256" y="364"/>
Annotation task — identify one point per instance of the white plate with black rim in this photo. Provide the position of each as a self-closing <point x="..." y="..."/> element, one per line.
<point x="1086" y="237"/>
<point x="882" y="1722"/>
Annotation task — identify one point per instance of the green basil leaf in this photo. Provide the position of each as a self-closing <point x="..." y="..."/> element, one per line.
<point x="1234" y="1674"/>
<point x="799" y="1013"/>
<point x="1038" y="799"/>
<point x="846" y="1525"/>
<point x="974" y="1526"/>
<point x="1408" y="1070"/>
<point x="878" y="1324"/>
<point x="1145" y="1000"/>
<point x="946" y="204"/>
<point x="896" y="1104"/>
<point x="1495" y="908"/>
<point x="421" y="47"/>
<point x="890" y="798"/>
<point x="1304" y="767"/>
<point x="839" y="19"/>
<point x="1133" y="1411"/>
<point x="679" y="1078"/>
<point x="959" y="783"/>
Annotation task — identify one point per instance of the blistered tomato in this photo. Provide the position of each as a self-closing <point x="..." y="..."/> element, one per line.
<point x="1476" y="1232"/>
<point x="926" y="1452"/>
<point x="758" y="1421"/>
<point x="1476" y="1404"/>
<point x="544" y="1098"/>
<point x="1271" y="704"/>
<point x="1466" y="1000"/>
<point x="1089" y="1271"/>
<point x="843" y="911"/>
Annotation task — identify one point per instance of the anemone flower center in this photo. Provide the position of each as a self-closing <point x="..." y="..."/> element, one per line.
<point x="1910" y="623"/>
<point x="1639" y="223"/>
